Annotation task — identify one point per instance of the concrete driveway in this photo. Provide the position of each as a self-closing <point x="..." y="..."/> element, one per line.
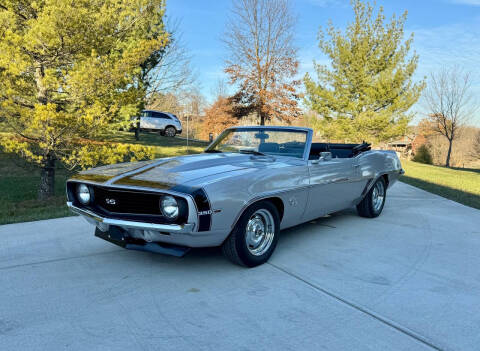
<point x="408" y="280"/>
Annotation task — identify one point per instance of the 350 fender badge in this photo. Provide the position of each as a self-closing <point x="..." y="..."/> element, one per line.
<point x="209" y="212"/>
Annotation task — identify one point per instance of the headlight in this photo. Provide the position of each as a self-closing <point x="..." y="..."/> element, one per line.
<point x="169" y="207"/>
<point x="83" y="194"/>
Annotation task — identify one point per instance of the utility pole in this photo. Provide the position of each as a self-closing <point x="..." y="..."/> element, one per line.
<point x="187" y="132"/>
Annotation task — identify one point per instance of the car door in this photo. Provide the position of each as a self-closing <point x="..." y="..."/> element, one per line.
<point x="160" y="120"/>
<point x="146" y="120"/>
<point x="334" y="184"/>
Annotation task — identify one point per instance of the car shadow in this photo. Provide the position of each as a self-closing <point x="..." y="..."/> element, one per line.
<point x="290" y="239"/>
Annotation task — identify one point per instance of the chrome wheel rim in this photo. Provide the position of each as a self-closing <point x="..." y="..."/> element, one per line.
<point x="378" y="195"/>
<point x="260" y="232"/>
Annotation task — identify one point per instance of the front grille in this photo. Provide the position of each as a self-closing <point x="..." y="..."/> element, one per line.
<point x="119" y="201"/>
<point x="131" y="205"/>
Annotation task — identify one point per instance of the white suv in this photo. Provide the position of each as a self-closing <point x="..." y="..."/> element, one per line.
<point x="168" y="124"/>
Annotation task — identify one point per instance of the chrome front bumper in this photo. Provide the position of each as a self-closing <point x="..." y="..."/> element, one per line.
<point x="103" y="223"/>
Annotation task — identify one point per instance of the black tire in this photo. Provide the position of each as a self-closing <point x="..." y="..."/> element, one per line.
<point x="235" y="247"/>
<point x="170" y="131"/>
<point x="368" y="208"/>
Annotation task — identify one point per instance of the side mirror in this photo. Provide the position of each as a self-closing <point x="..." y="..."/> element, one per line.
<point x="325" y="156"/>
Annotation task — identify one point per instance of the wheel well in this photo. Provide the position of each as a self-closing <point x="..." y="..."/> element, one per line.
<point x="278" y="204"/>
<point x="276" y="201"/>
<point x="385" y="177"/>
<point x="170" y="126"/>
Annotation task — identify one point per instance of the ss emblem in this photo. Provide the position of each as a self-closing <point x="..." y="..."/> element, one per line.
<point x="111" y="201"/>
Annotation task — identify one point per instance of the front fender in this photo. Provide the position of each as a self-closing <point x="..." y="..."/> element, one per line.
<point x="231" y="196"/>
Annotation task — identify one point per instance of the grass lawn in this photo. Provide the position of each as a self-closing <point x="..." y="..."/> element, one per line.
<point x="457" y="184"/>
<point x="19" y="185"/>
<point x="164" y="146"/>
<point x="19" y="181"/>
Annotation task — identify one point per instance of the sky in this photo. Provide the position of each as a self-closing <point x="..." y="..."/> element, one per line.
<point x="446" y="34"/>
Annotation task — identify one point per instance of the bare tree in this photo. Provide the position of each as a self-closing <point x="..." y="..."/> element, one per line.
<point x="168" y="102"/>
<point x="173" y="71"/>
<point x="475" y="151"/>
<point x="166" y="72"/>
<point x="450" y="103"/>
<point x="220" y="89"/>
<point x="262" y="59"/>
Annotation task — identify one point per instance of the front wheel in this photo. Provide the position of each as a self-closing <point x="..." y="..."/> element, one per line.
<point x="254" y="237"/>
<point x="170" y="131"/>
<point x="372" y="204"/>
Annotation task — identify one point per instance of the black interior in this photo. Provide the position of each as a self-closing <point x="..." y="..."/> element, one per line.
<point x="296" y="149"/>
<point x="269" y="147"/>
<point x="291" y="148"/>
<point x="337" y="150"/>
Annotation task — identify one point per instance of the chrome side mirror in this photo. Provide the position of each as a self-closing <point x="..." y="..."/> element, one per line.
<point x="325" y="156"/>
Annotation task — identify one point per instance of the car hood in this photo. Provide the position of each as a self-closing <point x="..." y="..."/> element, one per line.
<point x="169" y="172"/>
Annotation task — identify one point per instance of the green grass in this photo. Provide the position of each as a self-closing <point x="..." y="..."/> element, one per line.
<point x="457" y="184"/>
<point x="19" y="186"/>
<point x="164" y="146"/>
<point x="19" y="181"/>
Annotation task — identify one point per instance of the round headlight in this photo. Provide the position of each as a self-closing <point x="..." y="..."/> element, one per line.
<point x="83" y="194"/>
<point x="169" y="207"/>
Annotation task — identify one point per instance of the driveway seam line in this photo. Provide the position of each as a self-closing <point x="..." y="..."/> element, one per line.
<point x="390" y="323"/>
<point x="58" y="260"/>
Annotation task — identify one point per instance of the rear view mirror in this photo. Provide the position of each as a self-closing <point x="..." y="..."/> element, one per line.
<point x="261" y="136"/>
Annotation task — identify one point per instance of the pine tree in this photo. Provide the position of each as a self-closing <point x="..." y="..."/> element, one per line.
<point x="366" y="91"/>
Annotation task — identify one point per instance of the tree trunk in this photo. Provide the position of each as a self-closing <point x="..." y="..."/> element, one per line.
<point x="47" y="176"/>
<point x="41" y="89"/>
<point x="261" y="115"/>
<point x="137" y="129"/>
<point x="47" y="179"/>
<point x="447" y="163"/>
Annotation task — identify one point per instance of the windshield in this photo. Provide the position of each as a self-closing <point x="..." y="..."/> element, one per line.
<point x="267" y="141"/>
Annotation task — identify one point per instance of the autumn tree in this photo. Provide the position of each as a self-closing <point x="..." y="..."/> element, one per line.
<point x="367" y="89"/>
<point x="70" y="71"/>
<point x="262" y="61"/>
<point x="218" y="117"/>
<point x="449" y="101"/>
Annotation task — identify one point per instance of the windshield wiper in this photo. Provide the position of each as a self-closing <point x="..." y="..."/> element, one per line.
<point x="212" y="151"/>
<point x="253" y="152"/>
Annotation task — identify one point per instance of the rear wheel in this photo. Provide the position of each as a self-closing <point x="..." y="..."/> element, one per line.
<point x="254" y="237"/>
<point x="372" y="204"/>
<point x="170" y="131"/>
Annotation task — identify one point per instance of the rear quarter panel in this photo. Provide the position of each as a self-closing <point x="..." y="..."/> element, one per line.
<point x="376" y="163"/>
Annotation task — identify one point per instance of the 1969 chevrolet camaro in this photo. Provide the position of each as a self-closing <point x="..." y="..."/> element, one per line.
<point x="250" y="183"/>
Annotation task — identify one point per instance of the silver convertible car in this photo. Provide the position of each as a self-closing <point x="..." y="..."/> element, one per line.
<point x="250" y="183"/>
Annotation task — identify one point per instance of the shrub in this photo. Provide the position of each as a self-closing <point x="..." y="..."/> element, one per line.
<point x="423" y="155"/>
